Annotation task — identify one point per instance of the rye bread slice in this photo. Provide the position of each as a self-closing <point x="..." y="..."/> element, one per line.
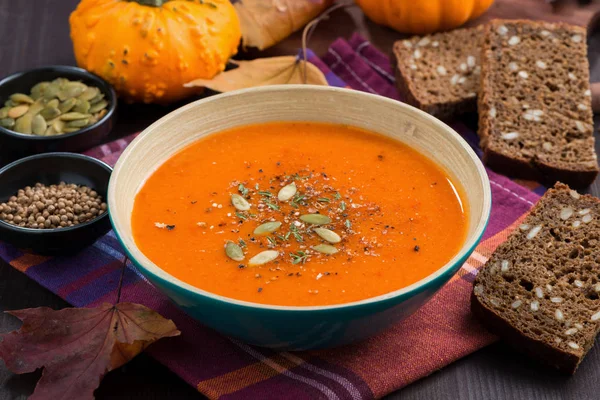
<point x="540" y="289"/>
<point x="440" y="73"/>
<point x="535" y="115"/>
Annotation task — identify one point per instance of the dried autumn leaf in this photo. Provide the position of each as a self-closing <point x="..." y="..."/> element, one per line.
<point x="263" y="72"/>
<point x="267" y="22"/>
<point x="78" y="346"/>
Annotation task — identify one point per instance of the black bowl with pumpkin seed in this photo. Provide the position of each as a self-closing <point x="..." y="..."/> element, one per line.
<point x="55" y="108"/>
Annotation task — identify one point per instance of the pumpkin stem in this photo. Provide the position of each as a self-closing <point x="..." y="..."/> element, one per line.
<point x="151" y="3"/>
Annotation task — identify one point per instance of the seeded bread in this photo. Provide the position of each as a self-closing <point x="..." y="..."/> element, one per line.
<point x="440" y="73"/>
<point x="540" y="289"/>
<point x="535" y="116"/>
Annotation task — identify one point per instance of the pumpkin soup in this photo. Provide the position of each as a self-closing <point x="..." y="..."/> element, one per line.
<point x="299" y="214"/>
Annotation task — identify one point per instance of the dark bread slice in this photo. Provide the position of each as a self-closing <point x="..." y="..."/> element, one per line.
<point x="535" y="115"/>
<point x="440" y="73"/>
<point x="540" y="289"/>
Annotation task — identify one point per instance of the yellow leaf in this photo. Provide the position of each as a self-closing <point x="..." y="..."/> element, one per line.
<point x="267" y="22"/>
<point x="262" y="72"/>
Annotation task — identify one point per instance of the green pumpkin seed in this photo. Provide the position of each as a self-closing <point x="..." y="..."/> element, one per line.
<point x="263" y="258"/>
<point x="267" y="227"/>
<point x="325" y="249"/>
<point x="58" y="125"/>
<point x="38" y="125"/>
<point x="239" y="202"/>
<point x="50" y="113"/>
<point x="70" y="90"/>
<point x="23" y="124"/>
<point x="287" y="192"/>
<point x="98" y="106"/>
<point x="37" y="91"/>
<point x="18" y="111"/>
<point x="78" y="123"/>
<point x="70" y="130"/>
<point x="7" y="123"/>
<point x="316" y="219"/>
<point x="234" y="251"/>
<point x="71" y="116"/>
<point x="51" y="91"/>
<point x="10" y="103"/>
<point x="21" y="98"/>
<point x="97" y="98"/>
<point x="60" y="82"/>
<point x="53" y="103"/>
<point x="4" y="112"/>
<point x="328" y="235"/>
<point x="82" y="106"/>
<point x="36" y="107"/>
<point x="50" y="131"/>
<point x="67" y="105"/>
<point x="89" y="93"/>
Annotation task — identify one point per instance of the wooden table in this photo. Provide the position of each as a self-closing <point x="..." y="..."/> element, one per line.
<point x="36" y="32"/>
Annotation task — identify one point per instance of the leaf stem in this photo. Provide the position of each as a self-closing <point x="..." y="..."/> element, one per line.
<point x="309" y="29"/>
<point x="121" y="279"/>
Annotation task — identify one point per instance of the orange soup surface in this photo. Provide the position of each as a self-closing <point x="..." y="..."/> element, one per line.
<point x="389" y="215"/>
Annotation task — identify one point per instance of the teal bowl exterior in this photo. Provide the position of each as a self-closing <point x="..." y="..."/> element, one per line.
<point x="285" y="327"/>
<point x="300" y="328"/>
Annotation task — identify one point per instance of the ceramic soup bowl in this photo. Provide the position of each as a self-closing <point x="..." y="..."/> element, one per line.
<point x="285" y="327"/>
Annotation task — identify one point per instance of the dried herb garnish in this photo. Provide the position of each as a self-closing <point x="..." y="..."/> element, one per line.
<point x="241" y="216"/>
<point x="243" y="190"/>
<point x="296" y="233"/>
<point x="265" y="193"/>
<point x="271" y="205"/>
<point x="324" y="200"/>
<point x="348" y="224"/>
<point x="337" y="195"/>
<point x="299" y="257"/>
<point x="343" y="206"/>
<point x="170" y="227"/>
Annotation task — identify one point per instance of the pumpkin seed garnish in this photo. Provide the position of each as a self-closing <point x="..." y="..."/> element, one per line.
<point x="287" y="192"/>
<point x="23" y="124"/>
<point x="325" y="249"/>
<point x="239" y="202"/>
<point x="263" y="258"/>
<point x="328" y="235"/>
<point x="315" y="219"/>
<point x="267" y="227"/>
<point x="234" y="251"/>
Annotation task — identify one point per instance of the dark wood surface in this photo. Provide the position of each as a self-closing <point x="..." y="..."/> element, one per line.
<point x="36" y="32"/>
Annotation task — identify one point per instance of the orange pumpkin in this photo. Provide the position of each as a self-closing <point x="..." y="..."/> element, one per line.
<point x="423" y="16"/>
<point x="148" y="49"/>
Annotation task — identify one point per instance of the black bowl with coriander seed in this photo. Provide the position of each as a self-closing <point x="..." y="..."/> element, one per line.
<point x="54" y="108"/>
<point x="53" y="203"/>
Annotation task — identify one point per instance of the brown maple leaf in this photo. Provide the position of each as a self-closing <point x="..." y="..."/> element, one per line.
<point x="263" y="72"/>
<point x="267" y="22"/>
<point x="78" y="346"/>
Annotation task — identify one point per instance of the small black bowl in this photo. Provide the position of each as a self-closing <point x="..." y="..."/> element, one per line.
<point x="14" y="145"/>
<point x="50" y="169"/>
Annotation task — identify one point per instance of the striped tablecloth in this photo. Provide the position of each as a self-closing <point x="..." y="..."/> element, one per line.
<point x="441" y="332"/>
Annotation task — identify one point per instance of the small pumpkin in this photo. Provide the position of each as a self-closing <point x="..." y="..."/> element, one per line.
<point x="423" y="16"/>
<point x="148" y="49"/>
